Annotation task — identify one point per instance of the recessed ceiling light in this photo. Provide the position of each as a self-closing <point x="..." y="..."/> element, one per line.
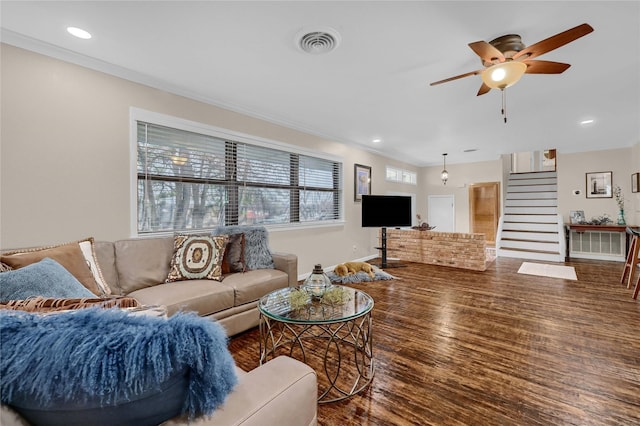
<point x="376" y="140"/>
<point x="79" y="32"/>
<point x="588" y="121"/>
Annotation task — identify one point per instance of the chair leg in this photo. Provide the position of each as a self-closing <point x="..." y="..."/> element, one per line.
<point x="637" y="290"/>
<point x="631" y="261"/>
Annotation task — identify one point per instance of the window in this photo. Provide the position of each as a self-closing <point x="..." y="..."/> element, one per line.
<point x="401" y="176"/>
<point x="190" y="180"/>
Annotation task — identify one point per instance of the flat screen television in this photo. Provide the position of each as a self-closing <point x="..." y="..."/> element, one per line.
<point x="385" y="211"/>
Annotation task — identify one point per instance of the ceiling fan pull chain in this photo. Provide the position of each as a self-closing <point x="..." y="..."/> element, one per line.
<point x="504" y="105"/>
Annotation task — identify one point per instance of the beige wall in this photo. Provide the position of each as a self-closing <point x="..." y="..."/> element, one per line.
<point x="64" y="163"/>
<point x="572" y="169"/>
<point x="460" y="177"/>
<point x="64" y="159"/>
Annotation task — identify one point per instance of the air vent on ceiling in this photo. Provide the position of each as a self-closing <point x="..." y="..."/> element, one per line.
<point x="317" y="40"/>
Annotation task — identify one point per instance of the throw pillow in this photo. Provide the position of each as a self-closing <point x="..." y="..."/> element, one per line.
<point x="68" y="255"/>
<point x="43" y="304"/>
<point x="233" y="260"/>
<point x="46" y="278"/>
<point x="109" y="367"/>
<point x="197" y="257"/>
<point x="256" y="247"/>
<point x="87" y="246"/>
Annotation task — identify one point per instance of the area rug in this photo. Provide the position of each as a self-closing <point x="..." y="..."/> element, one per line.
<point x="359" y="277"/>
<point x="545" y="270"/>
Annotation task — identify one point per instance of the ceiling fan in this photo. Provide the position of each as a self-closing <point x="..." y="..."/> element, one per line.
<point x="506" y="58"/>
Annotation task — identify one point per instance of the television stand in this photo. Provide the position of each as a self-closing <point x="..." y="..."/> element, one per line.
<point x="383" y="263"/>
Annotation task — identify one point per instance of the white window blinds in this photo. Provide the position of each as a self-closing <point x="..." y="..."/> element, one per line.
<point x="189" y="181"/>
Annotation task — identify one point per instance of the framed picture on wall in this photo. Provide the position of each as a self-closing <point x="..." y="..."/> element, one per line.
<point x="361" y="181"/>
<point x="577" y="216"/>
<point x="598" y="185"/>
<point x="635" y="182"/>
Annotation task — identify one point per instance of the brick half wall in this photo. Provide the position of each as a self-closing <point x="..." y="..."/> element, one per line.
<point x="453" y="249"/>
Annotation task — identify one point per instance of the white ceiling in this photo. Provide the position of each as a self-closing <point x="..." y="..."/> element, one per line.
<point x="241" y="55"/>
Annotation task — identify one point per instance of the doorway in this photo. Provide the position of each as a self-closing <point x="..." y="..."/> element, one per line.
<point x="484" y="209"/>
<point x="441" y="212"/>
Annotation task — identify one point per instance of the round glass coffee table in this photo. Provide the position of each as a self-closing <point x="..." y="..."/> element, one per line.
<point x="331" y="333"/>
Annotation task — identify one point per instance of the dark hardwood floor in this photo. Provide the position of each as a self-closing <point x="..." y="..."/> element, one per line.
<point x="456" y="347"/>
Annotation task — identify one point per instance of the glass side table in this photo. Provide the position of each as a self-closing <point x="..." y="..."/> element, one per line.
<point x="331" y="333"/>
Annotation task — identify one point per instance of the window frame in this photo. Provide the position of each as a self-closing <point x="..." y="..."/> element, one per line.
<point x="402" y="173"/>
<point x="137" y="114"/>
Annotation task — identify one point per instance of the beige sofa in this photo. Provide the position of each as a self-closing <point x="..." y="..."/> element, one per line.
<point x="283" y="391"/>
<point x="280" y="392"/>
<point x="138" y="267"/>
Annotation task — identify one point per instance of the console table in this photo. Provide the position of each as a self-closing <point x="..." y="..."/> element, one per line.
<point x="583" y="228"/>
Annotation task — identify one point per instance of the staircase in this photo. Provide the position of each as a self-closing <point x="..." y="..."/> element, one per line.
<point x="531" y="227"/>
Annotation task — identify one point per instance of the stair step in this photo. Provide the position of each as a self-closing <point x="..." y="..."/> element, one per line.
<point x="532" y="195"/>
<point x="532" y="188"/>
<point x="531" y="235"/>
<point x="531" y="210"/>
<point x="549" y="202"/>
<point x="533" y="175"/>
<point x="540" y="181"/>
<point x="541" y="247"/>
<point x="539" y="227"/>
<point x="531" y="218"/>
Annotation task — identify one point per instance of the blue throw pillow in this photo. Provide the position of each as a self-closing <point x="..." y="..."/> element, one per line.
<point x="46" y="278"/>
<point x="107" y="367"/>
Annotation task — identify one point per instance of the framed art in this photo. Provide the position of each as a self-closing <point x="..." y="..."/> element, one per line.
<point x="635" y="182"/>
<point x="361" y="181"/>
<point x="599" y="185"/>
<point x="577" y="216"/>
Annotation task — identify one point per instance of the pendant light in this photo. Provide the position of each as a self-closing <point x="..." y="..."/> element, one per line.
<point x="444" y="175"/>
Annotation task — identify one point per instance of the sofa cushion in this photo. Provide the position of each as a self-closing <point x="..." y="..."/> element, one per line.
<point x="133" y="367"/>
<point x="68" y="255"/>
<point x="87" y="246"/>
<point x="142" y="262"/>
<point x="202" y="296"/>
<point x="197" y="257"/>
<point x="106" y="259"/>
<point x="45" y="278"/>
<point x="252" y="285"/>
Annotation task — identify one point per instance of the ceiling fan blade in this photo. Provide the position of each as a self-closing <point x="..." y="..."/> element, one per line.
<point x="476" y="72"/>
<point x="487" y="52"/>
<point x="545" y="67"/>
<point x="554" y="42"/>
<point x="483" y="89"/>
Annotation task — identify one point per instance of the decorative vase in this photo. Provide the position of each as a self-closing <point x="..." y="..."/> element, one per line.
<point x="317" y="283"/>
<point x="621" y="217"/>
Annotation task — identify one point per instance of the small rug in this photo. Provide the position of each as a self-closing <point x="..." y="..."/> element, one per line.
<point x="359" y="277"/>
<point x="552" y="271"/>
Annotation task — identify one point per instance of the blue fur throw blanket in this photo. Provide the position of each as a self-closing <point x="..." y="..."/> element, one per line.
<point x="112" y="355"/>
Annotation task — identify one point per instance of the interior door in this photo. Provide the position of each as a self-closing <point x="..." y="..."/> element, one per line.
<point x="441" y="212"/>
<point x="484" y="209"/>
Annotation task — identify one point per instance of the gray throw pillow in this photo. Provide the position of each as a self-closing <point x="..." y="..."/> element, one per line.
<point x="256" y="246"/>
<point x="46" y="278"/>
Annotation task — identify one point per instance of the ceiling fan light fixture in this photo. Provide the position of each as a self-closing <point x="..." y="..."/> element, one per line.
<point x="503" y="75"/>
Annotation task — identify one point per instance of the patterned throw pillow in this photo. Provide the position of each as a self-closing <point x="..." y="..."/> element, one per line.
<point x="197" y="257"/>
